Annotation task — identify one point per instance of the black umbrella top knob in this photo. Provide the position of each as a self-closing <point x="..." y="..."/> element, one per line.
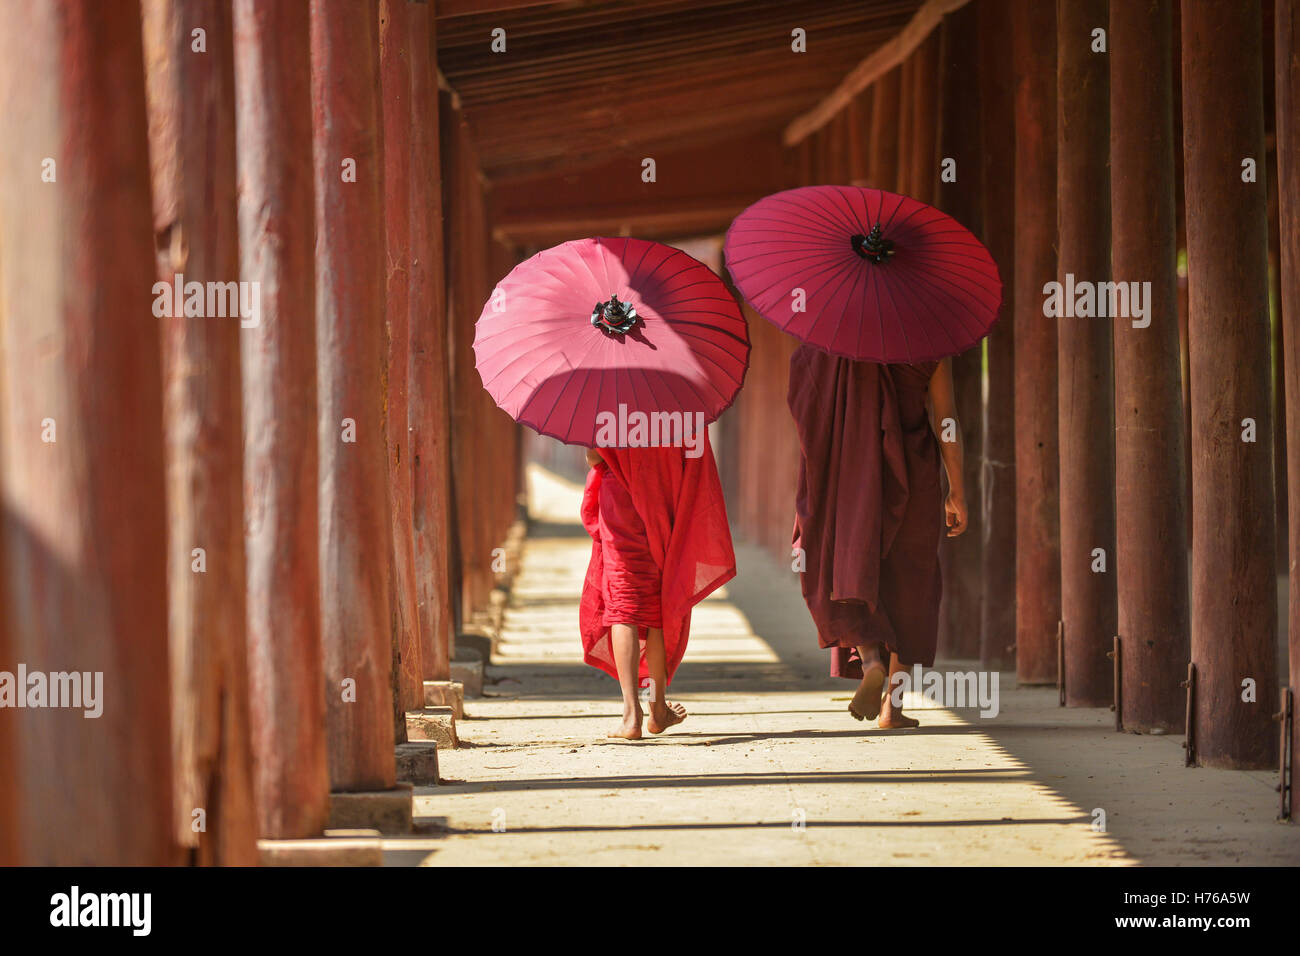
<point x="872" y="246"/>
<point x="613" y="317"/>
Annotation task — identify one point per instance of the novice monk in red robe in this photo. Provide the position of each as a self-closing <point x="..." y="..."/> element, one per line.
<point x="870" y="512"/>
<point x="660" y="545"/>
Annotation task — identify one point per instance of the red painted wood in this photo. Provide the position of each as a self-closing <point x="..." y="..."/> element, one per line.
<point x="1086" y="413"/>
<point x="1234" y="589"/>
<point x="277" y="249"/>
<point x="191" y="101"/>
<point x="84" y="518"/>
<point x="1151" y="516"/>
<point x="355" y="529"/>
<point x="1286" y="27"/>
<point x="395" y="81"/>
<point x="884" y="131"/>
<point x="996" y="499"/>
<point x="960" y="139"/>
<point x="430" y="420"/>
<point x="1038" y="554"/>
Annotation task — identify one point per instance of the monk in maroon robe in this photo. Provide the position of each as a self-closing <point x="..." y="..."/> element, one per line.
<point x="660" y="545"/>
<point x="871" y="510"/>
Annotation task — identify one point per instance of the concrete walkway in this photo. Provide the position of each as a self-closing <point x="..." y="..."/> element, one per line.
<point x="770" y="768"/>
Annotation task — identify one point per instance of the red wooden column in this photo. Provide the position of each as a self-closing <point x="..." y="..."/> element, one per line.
<point x="191" y="101"/>
<point x="996" y="498"/>
<point x="960" y="140"/>
<point x="859" y="131"/>
<point x="925" y="124"/>
<point x="355" y="551"/>
<point x="1234" y="590"/>
<point x="1038" y="554"/>
<point x="81" y="432"/>
<point x="1086" y="386"/>
<point x="10" y="821"/>
<point x="906" y="125"/>
<point x="1151" y="541"/>
<point x="448" y="123"/>
<point x="430" y="418"/>
<point x="395" y="79"/>
<point x="277" y="248"/>
<point x="884" y="131"/>
<point x="457" y="182"/>
<point x="1286" y="28"/>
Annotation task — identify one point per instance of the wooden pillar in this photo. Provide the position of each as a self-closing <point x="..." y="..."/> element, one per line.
<point x="10" y="820"/>
<point x="1286" y="28"/>
<point x="448" y="127"/>
<point x="350" y="350"/>
<point x="277" y="240"/>
<point x="884" y="132"/>
<point x="859" y="146"/>
<point x="430" y="419"/>
<point x="395" y="82"/>
<point x="1038" y="554"/>
<point x="960" y="140"/>
<point x="1084" y="343"/>
<point x="924" y="175"/>
<point x="191" y="103"/>
<point x="1151" y="526"/>
<point x="906" y="126"/>
<point x="1277" y="345"/>
<point x="996" y="501"/>
<point x="837" y="143"/>
<point x="81" y="427"/>
<point x="1234" y="590"/>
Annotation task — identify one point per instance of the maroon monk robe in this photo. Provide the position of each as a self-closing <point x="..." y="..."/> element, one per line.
<point x="660" y="545"/>
<point x="869" y="512"/>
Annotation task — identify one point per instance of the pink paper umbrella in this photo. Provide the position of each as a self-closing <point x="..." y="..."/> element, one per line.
<point x="614" y="326"/>
<point x="864" y="273"/>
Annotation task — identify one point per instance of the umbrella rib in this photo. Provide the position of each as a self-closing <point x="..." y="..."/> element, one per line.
<point x="834" y="223"/>
<point x="848" y="270"/>
<point x="955" y="308"/>
<point x="908" y="292"/>
<point x="836" y="212"/>
<point x="959" y="285"/>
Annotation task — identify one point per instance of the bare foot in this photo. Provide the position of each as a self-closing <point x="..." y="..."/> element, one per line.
<point x="891" y="719"/>
<point x="663" y="718"/>
<point x="865" y="704"/>
<point x="630" y="727"/>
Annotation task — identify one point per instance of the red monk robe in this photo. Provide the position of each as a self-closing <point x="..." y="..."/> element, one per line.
<point x="660" y="545"/>
<point x="870" y="507"/>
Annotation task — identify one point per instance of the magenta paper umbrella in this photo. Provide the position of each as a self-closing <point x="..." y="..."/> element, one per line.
<point x="605" y="331"/>
<point x="864" y="273"/>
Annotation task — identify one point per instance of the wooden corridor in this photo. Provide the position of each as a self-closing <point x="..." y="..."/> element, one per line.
<point x="768" y="745"/>
<point x="276" y="534"/>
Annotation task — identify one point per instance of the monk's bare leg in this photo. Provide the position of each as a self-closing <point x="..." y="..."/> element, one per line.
<point x="865" y="704"/>
<point x="891" y="716"/>
<point x="663" y="714"/>
<point x="627" y="659"/>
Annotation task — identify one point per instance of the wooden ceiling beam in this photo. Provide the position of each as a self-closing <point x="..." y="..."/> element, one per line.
<point x="883" y="59"/>
<point x="683" y="43"/>
<point x="450" y="9"/>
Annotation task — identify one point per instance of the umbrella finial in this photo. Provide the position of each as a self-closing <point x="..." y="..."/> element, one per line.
<point x="614" y="317"/>
<point x="872" y="247"/>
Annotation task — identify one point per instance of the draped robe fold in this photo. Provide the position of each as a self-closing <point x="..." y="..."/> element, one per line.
<point x="660" y="545"/>
<point x="869" y="509"/>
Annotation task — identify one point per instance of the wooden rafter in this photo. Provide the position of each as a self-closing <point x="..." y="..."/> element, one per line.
<point x="875" y="65"/>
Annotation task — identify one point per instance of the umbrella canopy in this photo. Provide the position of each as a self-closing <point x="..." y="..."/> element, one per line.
<point x="610" y="327"/>
<point x="864" y="273"/>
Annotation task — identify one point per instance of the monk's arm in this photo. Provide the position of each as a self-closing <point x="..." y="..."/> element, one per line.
<point x="943" y="417"/>
<point x="593" y="457"/>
